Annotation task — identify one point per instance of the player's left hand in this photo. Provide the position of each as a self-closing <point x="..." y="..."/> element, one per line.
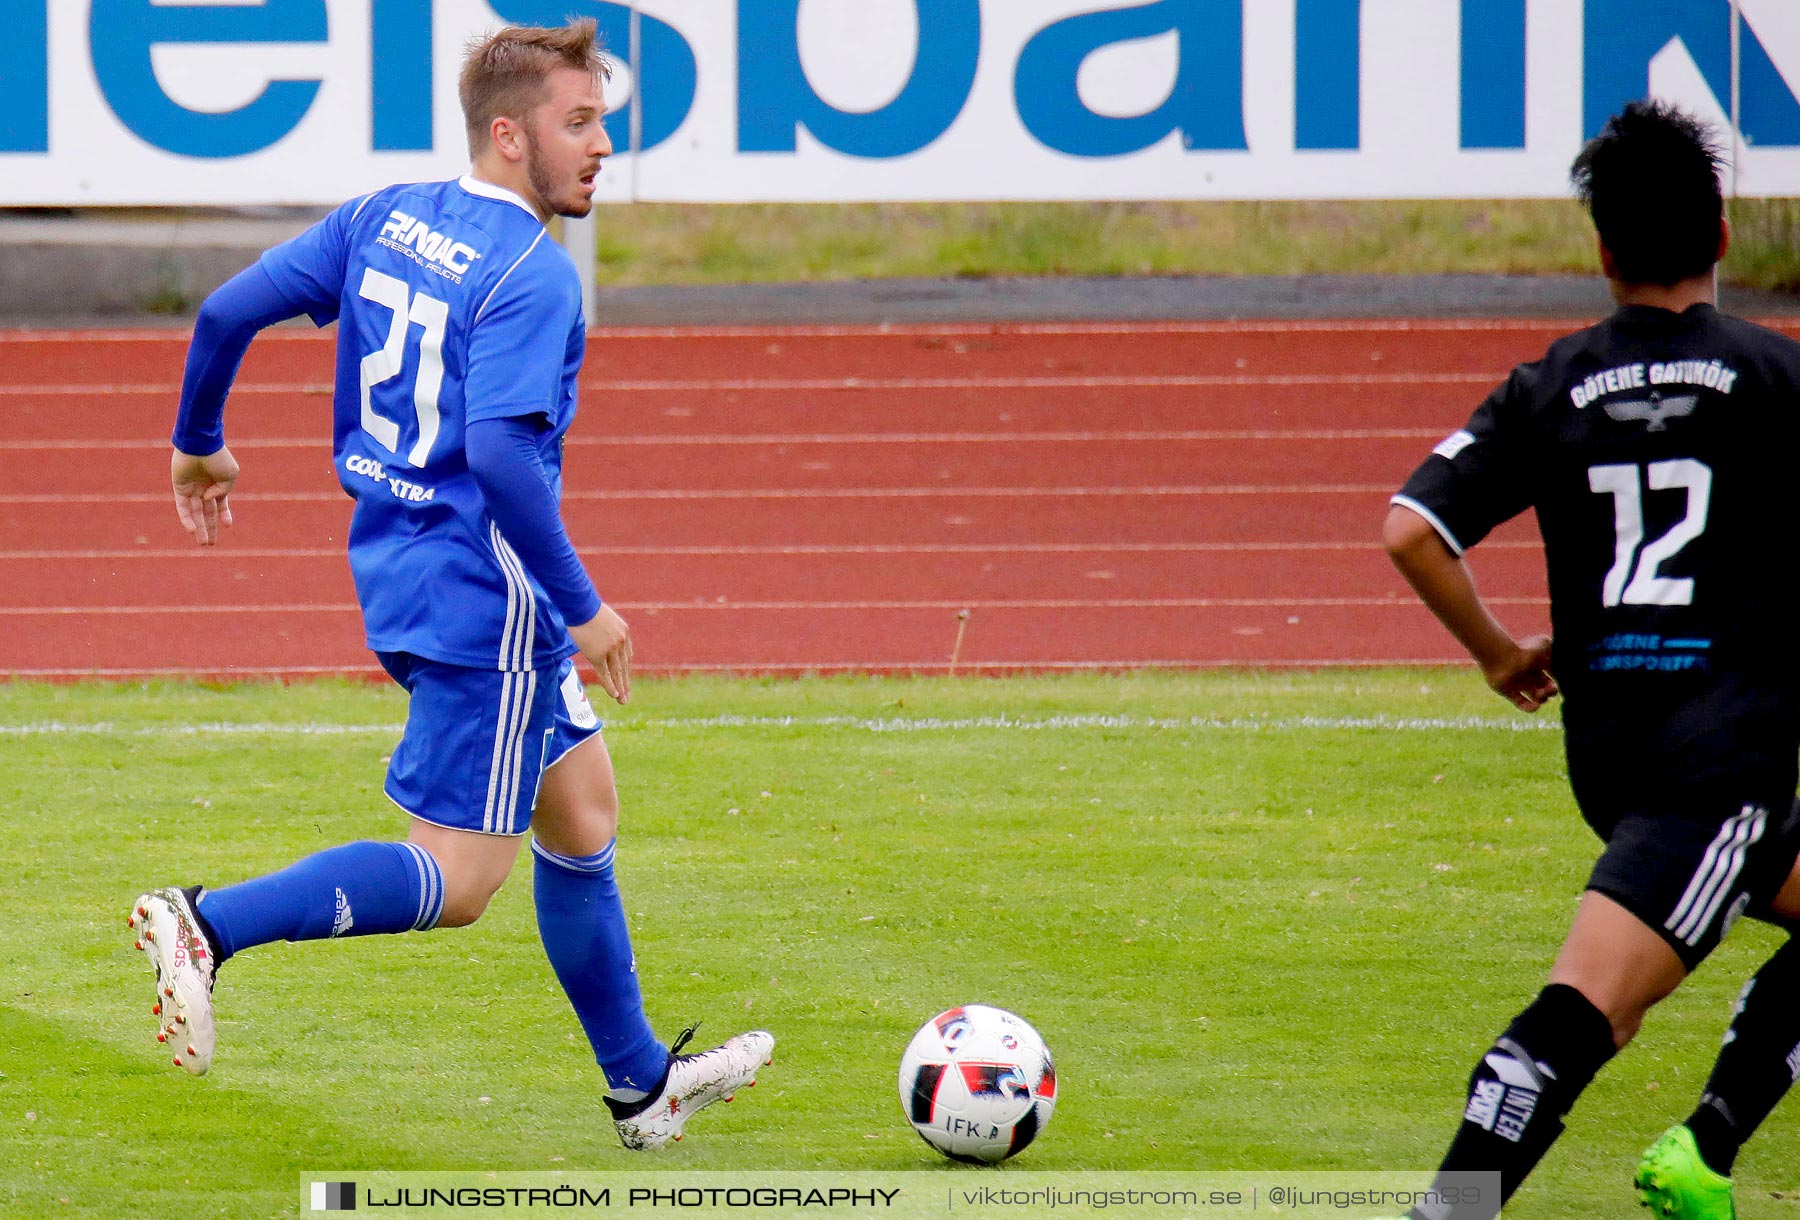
<point x="1523" y="675"/>
<point x="605" y="641"/>
<point x="201" y="487"/>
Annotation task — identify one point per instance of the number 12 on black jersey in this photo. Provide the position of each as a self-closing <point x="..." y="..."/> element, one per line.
<point x="1633" y="579"/>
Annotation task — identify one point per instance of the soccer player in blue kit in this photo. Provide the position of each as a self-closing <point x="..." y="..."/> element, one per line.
<point x="460" y="338"/>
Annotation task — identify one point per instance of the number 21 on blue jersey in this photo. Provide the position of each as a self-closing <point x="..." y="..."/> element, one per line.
<point x="387" y="362"/>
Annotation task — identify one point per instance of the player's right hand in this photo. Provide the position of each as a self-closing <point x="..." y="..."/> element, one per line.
<point x="201" y="487"/>
<point x="605" y="641"/>
<point x="1523" y="675"/>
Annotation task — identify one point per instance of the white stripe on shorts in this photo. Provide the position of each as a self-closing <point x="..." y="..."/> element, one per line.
<point x="518" y="643"/>
<point x="1718" y="870"/>
<point x="506" y="728"/>
<point x="510" y="814"/>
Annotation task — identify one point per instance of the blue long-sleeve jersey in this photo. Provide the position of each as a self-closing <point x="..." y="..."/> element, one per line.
<point x="454" y="308"/>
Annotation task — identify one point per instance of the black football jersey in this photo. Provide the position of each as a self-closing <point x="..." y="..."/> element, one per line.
<point x="1660" y="453"/>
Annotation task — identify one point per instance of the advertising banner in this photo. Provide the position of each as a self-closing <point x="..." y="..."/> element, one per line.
<point x="118" y="102"/>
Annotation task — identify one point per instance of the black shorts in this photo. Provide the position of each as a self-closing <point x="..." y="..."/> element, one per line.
<point x="1691" y="877"/>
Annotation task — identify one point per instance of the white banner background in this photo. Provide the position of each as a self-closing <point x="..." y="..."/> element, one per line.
<point x="858" y="55"/>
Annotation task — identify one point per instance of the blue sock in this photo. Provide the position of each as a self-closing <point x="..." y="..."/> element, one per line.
<point x="359" y="889"/>
<point x="582" y="923"/>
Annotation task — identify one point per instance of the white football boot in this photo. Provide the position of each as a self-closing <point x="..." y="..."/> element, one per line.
<point x="169" y="934"/>
<point x="693" y="1083"/>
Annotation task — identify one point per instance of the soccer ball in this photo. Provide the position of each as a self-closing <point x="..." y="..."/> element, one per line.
<point x="977" y="1083"/>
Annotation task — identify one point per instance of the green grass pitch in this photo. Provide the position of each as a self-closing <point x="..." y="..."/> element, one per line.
<point x="1265" y="922"/>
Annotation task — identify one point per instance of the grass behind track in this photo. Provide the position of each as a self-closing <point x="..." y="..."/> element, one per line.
<point x="648" y="243"/>
<point x="1257" y="935"/>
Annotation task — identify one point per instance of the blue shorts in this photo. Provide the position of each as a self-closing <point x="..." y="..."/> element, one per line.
<point x="478" y="741"/>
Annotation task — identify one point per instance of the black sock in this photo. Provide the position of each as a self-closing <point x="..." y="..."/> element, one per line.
<point x="1716" y="1135"/>
<point x="1758" y="1063"/>
<point x="1520" y="1091"/>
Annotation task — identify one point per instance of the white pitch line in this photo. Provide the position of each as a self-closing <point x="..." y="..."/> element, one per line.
<point x="1259" y="724"/>
<point x="197" y="673"/>
<point x="894" y="724"/>
<point x="716" y="606"/>
<point x="728" y="669"/>
<point x="323" y="445"/>
<point x="774" y="493"/>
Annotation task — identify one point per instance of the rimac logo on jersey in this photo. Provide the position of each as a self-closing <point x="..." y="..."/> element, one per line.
<point x="438" y="252"/>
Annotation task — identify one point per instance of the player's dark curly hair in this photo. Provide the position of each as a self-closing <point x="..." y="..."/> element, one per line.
<point x="1650" y="180"/>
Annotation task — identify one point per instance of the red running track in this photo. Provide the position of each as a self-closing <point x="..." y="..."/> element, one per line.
<point x="789" y="499"/>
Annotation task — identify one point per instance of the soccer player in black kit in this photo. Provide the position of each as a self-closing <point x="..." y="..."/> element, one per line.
<point x="1659" y="451"/>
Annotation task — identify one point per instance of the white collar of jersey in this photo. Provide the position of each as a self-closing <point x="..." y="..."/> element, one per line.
<point x="487" y="190"/>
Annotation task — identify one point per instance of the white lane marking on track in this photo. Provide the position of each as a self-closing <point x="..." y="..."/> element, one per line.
<point x="185" y="610"/>
<point x="704" y="384"/>
<point x="760" y="550"/>
<point x="323" y="444"/>
<point x="1146" y="603"/>
<point x="896" y="724"/>
<point x="1128" y="381"/>
<point x="195" y="553"/>
<point x="773" y="493"/>
<point x="105" y="389"/>
<point x="1001" y="330"/>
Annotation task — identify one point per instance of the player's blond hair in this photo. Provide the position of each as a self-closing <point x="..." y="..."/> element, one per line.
<point x="506" y="73"/>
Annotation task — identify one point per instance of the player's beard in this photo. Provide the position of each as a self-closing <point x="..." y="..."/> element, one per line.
<point x="544" y="185"/>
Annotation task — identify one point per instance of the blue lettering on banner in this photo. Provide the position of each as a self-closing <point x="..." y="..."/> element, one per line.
<point x="1493" y="73"/>
<point x="775" y="100"/>
<point x="1206" y="105"/>
<point x="666" y="79"/>
<point x="400" y="75"/>
<point x="123" y="41"/>
<point x="1622" y="36"/>
<point x="1327" y="74"/>
<point x="25" y="79"/>
<point x="123" y="33"/>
